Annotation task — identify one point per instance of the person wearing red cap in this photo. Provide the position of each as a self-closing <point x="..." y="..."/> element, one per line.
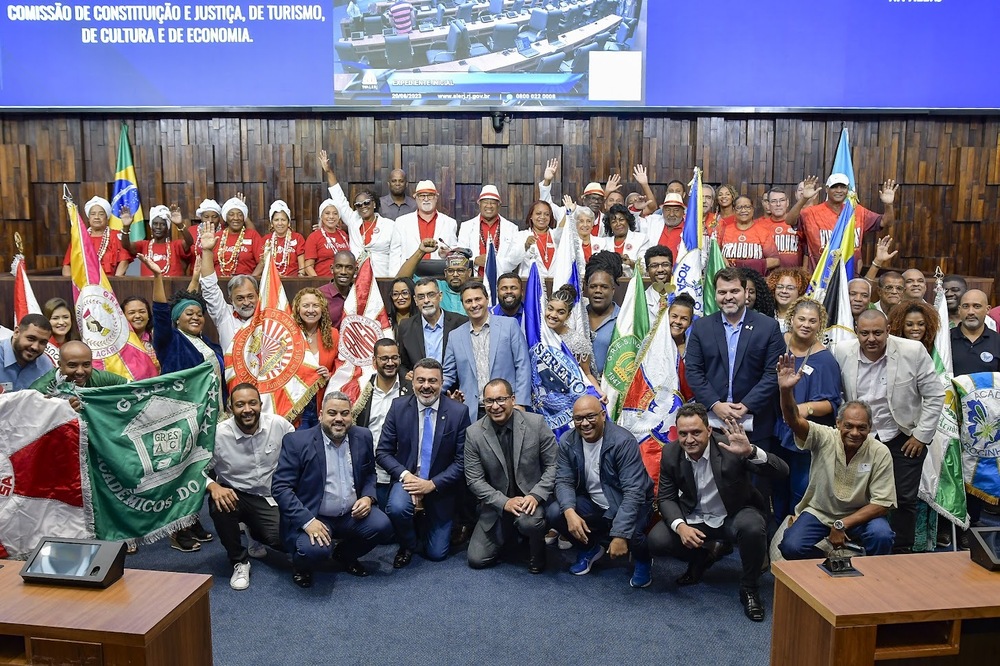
<point x="426" y="224"/>
<point x="489" y="227"/>
<point x="816" y="223"/>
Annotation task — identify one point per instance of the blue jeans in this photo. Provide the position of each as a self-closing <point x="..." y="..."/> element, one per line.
<point x="789" y="492"/>
<point x="599" y="526"/>
<point x="357" y="537"/>
<point x="799" y="542"/>
<point x="440" y="511"/>
<point x="309" y="417"/>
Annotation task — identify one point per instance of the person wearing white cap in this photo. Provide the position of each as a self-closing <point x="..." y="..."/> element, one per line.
<point x="666" y="228"/>
<point x="368" y="230"/>
<point x="286" y="246"/>
<point x="208" y="210"/>
<point x="107" y="242"/>
<point x="816" y="223"/>
<point x="170" y="255"/>
<point x="426" y="224"/>
<point x="491" y="227"/>
<point x="593" y="197"/>
<point x="239" y="246"/>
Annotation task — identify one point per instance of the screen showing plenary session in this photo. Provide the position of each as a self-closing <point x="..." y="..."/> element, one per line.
<point x="449" y="54"/>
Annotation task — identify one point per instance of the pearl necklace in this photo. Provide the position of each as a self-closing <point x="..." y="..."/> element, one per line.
<point x="105" y="240"/>
<point x="229" y="268"/>
<point x="281" y="264"/>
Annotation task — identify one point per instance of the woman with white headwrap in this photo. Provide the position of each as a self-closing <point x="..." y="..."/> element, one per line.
<point x="327" y="241"/>
<point x="170" y="255"/>
<point x="239" y="246"/>
<point x="287" y="247"/>
<point x="107" y="243"/>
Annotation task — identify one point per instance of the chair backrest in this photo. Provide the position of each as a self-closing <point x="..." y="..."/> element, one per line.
<point x="373" y="25"/>
<point x="504" y="35"/>
<point x="440" y="15"/>
<point x="550" y="63"/>
<point x="457" y="33"/>
<point x="553" y="24"/>
<point x="345" y="51"/>
<point x="539" y="19"/>
<point x="581" y="59"/>
<point x="518" y="6"/>
<point x="399" y="51"/>
<point x="622" y="33"/>
<point x="465" y="11"/>
<point x="496" y="7"/>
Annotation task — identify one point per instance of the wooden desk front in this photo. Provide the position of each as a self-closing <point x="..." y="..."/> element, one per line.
<point x="148" y="618"/>
<point x="926" y="608"/>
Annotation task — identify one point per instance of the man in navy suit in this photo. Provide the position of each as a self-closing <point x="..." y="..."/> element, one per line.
<point x="731" y="359"/>
<point x="325" y="489"/>
<point x="422" y="447"/>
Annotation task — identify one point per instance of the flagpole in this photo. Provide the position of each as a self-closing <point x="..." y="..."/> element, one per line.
<point x="18" y="245"/>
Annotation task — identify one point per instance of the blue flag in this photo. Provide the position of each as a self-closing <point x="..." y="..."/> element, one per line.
<point x="842" y="162"/>
<point x="490" y="273"/>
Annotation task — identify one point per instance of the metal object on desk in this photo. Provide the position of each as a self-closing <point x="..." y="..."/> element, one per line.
<point x="838" y="564"/>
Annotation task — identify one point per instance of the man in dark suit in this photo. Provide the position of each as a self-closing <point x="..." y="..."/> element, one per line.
<point x="731" y="359"/>
<point x="603" y="492"/>
<point x="510" y="466"/>
<point x="325" y="489"/>
<point x="422" y="448"/>
<point x="426" y="336"/>
<point x="708" y="502"/>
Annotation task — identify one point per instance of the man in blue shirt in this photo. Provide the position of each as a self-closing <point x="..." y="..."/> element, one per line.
<point x="22" y="360"/>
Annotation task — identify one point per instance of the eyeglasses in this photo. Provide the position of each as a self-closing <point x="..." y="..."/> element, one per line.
<point x="489" y="402"/>
<point x="785" y="287"/>
<point x="743" y="208"/>
<point x="362" y="204"/>
<point x="388" y="359"/>
<point x="891" y="289"/>
<point x="426" y="297"/>
<point x="426" y="197"/>
<point x="588" y="418"/>
<point x="660" y="265"/>
<point x="400" y="294"/>
<point x="455" y="271"/>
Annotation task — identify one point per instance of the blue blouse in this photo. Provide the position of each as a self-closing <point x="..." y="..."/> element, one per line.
<point x="174" y="350"/>
<point x="823" y="383"/>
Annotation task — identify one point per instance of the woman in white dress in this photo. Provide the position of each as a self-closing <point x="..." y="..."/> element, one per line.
<point x="539" y="240"/>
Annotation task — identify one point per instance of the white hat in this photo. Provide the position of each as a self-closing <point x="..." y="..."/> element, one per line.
<point x="593" y="188"/>
<point x="674" y="199"/>
<point x="327" y="203"/>
<point x="97" y="201"/>
<point x="838" y="179"/>
<point x="426" y="187"/>
<point x="207" y="205"/>
<point x="489" y="192"/>
<point x="234" y="204"/>
<point x="159" y="211"/>
<point x="279" y="205"/>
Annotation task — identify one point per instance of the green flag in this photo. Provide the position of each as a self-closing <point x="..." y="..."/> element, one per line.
<point x="148" y="444"/>
<point x="126" y="192"/>
<point x="631" y="329"/>
<point x="716" y="262"/>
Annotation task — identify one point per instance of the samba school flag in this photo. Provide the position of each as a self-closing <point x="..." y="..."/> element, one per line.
<point x="689" y="267"/>
<point x="102" y="324"/>
<point x="270" y="353"/>
<point x="126" y="195"/>
<point x="631" y="329"/>
<point x="41" y="488"/>
<point x="25" y="302"/>
<point x="979" y="429"/>
<point x="365" y="322"/>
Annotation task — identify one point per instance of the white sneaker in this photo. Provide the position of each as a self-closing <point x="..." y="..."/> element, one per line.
<point x="255" y="548"/>
<point x="241" y="576"/>
<point x="564" y="543"/>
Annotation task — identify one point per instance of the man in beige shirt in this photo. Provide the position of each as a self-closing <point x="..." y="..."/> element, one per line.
<point x="851" y="486"/>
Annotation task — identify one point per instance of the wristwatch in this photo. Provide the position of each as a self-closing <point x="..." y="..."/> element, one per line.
<point x="838" y="525"/>
<point x="810" y="410"/>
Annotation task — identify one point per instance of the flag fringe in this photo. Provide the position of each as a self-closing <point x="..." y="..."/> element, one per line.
<point x="986" y="497"/>
<point x="942" y="512"/>
<point x="85" y="487"/>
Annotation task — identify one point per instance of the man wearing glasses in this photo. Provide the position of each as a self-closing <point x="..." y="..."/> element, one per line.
<point x="890" y="291"/>
<point x="416" y="235"/>
<point x="491" y="228"/>
<point x="604" y="495"/>
<point x="426" y="336"/>
<point x="510" y="467"/>
<point x="786" y="237"/>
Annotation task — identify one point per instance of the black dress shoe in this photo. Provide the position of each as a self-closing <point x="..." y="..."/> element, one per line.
<point x="355" y="568"/>
<point x="693" y="574"/>
<point x="461" y="534"/>
<point x="302" y="578"/>
<point x="752" y="606"/>
<point x="403" y="557"/>
<point x="536" y="564"/>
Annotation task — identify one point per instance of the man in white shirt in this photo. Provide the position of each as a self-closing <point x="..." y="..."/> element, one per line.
<point x="426" y="224"/>
<point x="491" y="227"/>
<point x="228" y="319"/>
<point x="247" y="446"/>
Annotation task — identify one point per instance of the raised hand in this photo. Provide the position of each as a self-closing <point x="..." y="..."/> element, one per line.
<point x="125" y="215"/>
<point x="614" y="182"/>
<point x="739" y="443"/>
<point x="176" y="218"/>
<point x="550" y="170"/>
<point x="810" y="187"/>
<point x="639" y="174"/>
<point x="882" y="251"/>
<point x="151" y="265"/>
<point x="788" y="377"/>
<point x="887" y="193"/>
<point x="568" y="203"/>
<point x="324" y="161"/>
<point x="207" y="236"/>
<point x="242" y="197"/>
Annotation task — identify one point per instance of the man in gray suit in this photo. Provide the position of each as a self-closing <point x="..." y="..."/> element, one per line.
<point x="510" y="466"/>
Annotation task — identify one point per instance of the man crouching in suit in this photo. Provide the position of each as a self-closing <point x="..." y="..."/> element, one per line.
<point x="510" y="466"/>
<point x="708" y="501"/>
<point x="325" y="489"/>
<point x="422" y="448"/>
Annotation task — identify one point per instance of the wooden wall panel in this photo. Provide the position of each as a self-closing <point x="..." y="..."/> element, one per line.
<point x="948" y="166"/>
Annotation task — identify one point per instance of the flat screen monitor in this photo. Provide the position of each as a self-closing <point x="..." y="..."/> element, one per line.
<point x="75" y="562"/>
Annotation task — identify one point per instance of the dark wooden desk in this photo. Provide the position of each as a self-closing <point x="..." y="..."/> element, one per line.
<point x="926" y="608"/>
<point x="148" y="618"/>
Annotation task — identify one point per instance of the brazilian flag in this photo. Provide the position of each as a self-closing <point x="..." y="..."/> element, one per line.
<point x="126" y="192"/>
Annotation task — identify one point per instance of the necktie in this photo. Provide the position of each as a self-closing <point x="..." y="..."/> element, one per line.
<point x="427" y="443"/>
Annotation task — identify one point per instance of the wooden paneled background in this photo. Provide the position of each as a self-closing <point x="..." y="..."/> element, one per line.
<point x="949" y="167"/>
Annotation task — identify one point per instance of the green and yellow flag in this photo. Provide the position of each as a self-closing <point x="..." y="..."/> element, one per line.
<point x="126" y="193"/>
<point x="631" y="329"/>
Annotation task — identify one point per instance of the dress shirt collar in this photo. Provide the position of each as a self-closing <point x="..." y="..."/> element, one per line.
<point x="434" y="405"/>
<point x="329" y="442"/>
<point x="394" y="388"/>
<point x="738" y="324"/>
<point x="864" y="359"/>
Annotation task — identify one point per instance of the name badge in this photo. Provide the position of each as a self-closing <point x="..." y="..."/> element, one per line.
<point x="864" y="468"/>
<point x="986" y="356"/>
<point x="248" y="241"/>
<point x="271" y="501"/>
<point x="6" y="386"/>
<point x="807" y="369"/>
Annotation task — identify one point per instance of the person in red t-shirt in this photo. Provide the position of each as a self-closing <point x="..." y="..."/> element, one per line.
<point x="667" y="228"/>
<point x="324" y="243"/>
<point x="746" y="243"/>
<point x="239" y="247"/>
<point x="107" y="242"/>
<point x="786" y="237"/>
<point x="816" y="223"/>
<point x="170" y="255"/>
<point x="288" y="247"/>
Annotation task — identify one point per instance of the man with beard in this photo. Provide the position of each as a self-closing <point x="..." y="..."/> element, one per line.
<point x="325" y="489"/>
<point x="425" y="464"/>
<point x="247" y="448"/>
<point x="76" y="365"/>
<point x="510" y="295"/>
<point x="660" y="267"/>
<point x="667" y="228"/>
<point x="170" y="255"/>
<point x="345" y="269"/>
<point x="413" y="231"/>
<point x="228" y="319"/>
<point x="426" y="336"/>
<point x="457" y="271"/>
<point x="373" y="404"/>
<point x="397" y="203"/>
<point x="22" y="358"/>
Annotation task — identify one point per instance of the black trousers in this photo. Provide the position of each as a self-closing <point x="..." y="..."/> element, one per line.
<point x="906" y="472"/>
<point x="747" y="529"/>
<point x="256" y="513"/>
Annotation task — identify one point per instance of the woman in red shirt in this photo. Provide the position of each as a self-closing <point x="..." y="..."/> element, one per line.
<point x="325" y="242"/>
<point x="288" y="247"/>
<point x="114" y="259"/>
<point x="170" y="255"/>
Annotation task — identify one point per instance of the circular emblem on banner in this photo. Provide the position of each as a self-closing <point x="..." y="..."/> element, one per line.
<point x="6" y="477"/>
<point x="102" y="324"/>
<point x="358" y="336"/>
<point x="981" y="429"/>
<point x="270" y="353"/>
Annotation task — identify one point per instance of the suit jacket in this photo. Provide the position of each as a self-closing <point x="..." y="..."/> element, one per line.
<point x="535" y="452"/>
<point x="508" y="360"/>
<point x="755" y="378"/>
<point x="510" y="253"/>
<point x="916" y="396"/>
<point x="677" y="494"/>
<point x="300" y="478"/>
<point x="399" y="446"/>
<point x="624" y="479"/>
<point x="411" y="338"/>
<point x="364" y="417"/>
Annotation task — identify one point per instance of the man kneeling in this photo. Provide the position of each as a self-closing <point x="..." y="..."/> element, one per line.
<point x="708" y="501"/>
<point x="851" y="487"/>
